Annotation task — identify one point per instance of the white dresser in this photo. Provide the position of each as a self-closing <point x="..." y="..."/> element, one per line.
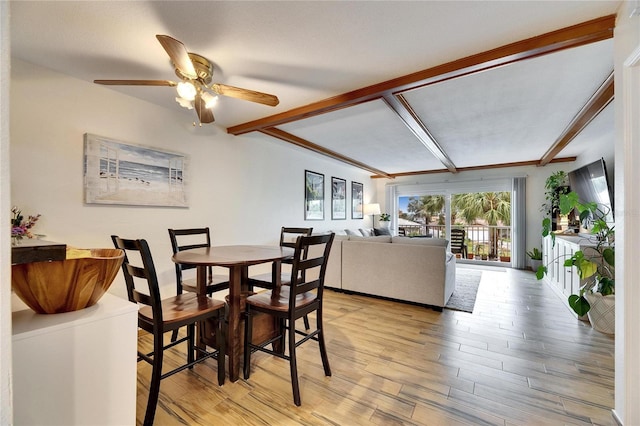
<point x="75" y="368"/>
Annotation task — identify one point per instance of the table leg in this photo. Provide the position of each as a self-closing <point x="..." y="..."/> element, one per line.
<point x="201" y="290"/>
<point x="234" y="340"/>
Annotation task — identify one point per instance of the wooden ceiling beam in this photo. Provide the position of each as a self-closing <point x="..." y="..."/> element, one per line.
<point x="471" y="168"/>
<point x="566" y="38"/>
<point x="594" y="106"/>
<point x="409" y="117"/>
<point x="295" y="140"/>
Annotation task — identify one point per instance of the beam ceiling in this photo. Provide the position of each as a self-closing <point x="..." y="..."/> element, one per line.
<point x="391" y="92"/>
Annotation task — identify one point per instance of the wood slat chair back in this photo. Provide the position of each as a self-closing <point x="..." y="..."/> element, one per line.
<point x="457" y="244"/>
<point x="159" y="316"/>
<point x="183" y="239"/>
<point x="290" y="303"/>
<point x="288" y="236"/>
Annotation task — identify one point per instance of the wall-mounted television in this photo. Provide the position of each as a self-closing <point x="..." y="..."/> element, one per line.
<point x="591" y="184"/>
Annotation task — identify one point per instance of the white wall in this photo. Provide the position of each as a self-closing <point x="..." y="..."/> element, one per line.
<point x="627" y="206"/>
<point x="6" y="408"/>
<point x="243" y="188"/>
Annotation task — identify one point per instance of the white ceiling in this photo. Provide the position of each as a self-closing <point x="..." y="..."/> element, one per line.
<point x="305" y="52"/>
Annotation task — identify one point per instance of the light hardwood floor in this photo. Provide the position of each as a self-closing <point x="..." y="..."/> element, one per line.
<point x="520" y="359"/>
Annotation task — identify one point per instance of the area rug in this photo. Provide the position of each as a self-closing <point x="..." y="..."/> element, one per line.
<point x="464" y="295"/>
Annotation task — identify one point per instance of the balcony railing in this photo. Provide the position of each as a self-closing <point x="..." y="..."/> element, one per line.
<point x="486" y="242"/>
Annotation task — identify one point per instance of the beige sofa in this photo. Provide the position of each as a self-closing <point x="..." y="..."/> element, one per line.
<point x="417" y="270"/>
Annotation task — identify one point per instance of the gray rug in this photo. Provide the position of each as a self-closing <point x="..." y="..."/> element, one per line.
<point x="464" y="295"/>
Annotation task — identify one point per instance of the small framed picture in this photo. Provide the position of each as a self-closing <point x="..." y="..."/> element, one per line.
<point x="338" y="198"/>
<point x="313" y="195"/>
<point x="356" y="200"/>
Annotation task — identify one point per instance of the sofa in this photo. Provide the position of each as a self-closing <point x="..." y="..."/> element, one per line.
<point x="416" y="270"/>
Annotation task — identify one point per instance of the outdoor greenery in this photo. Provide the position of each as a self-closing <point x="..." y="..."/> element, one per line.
<point x="492" y="208"/>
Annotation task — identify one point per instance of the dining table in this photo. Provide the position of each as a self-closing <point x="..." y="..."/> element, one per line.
<point x="237" y="258"/>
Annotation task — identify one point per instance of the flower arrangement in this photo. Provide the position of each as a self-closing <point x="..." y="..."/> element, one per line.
<point x="19" y="227"/>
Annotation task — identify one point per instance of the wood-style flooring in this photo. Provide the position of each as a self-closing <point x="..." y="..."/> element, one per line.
<point x="521" y="358"/>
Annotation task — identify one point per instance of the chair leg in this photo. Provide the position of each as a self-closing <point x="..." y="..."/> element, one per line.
<point x="248" y="328"/>
<point x="191" y="351"/>
<point x="222" y="347"/>
<point x="293" y="364"/>
<point x="321" y="344"/>
<point x="306" y="322"/>
<point x="154" y="386"/>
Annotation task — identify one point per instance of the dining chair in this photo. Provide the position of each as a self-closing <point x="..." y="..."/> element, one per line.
<point x="292" y="302"/>
<point x="288" y="237"/>
<point x="159" y="316"/>
<point x="184" y="239"/>
<point x="457" y="244"/>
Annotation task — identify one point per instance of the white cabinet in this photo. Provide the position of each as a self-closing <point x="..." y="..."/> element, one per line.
<point x="76" y="368"/>
<point x="564" y="280"/>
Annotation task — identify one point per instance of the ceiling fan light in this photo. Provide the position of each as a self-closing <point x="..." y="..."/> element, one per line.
<point x="186" y="90"/>
<point x="184" y="103"/>
<point x="209" y="99"/>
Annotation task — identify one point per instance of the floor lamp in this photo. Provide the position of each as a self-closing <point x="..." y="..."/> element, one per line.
<point x="373" y="210"/>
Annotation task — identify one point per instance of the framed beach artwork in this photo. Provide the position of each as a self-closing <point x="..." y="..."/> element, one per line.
<point x="313" y="196"/>
<point x="338" y="198"/>
<point x="119" y="173"/>
<point x="356" y="200"/>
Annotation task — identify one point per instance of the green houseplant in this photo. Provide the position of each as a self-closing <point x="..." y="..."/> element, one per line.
<point x="385" y="220"/>
<point x="536" y="258"/>
<point x="595" y="264"/>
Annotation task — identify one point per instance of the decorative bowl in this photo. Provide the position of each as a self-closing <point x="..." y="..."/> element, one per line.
<point x="67" y="285"/>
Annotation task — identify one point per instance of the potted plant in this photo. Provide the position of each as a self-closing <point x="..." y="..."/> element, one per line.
<point x="595" y="264"/>
<point x="536" y="258"/>
<point x="385" y="220"/>
<point x="555" y="186"/>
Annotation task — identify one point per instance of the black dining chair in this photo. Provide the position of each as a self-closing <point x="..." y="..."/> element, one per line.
<point x="288" y="237"/>
<point x="159" y="316"/>
<point x="184" y="239"/>
<point x="292" y="302"/>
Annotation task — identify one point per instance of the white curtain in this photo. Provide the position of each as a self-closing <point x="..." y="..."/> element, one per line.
<point x="518" y="223"/>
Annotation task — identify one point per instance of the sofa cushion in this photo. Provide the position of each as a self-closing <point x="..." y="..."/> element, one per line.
<point x="378" y="239"/>
<point x="381" y="231"/>
<point x="367" y="232"/>
<point x="438" y="242"/>
<point x="351" y="232"/>
<point x="340" y="232"/>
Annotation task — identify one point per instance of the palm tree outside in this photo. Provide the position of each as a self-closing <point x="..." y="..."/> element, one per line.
<point x="476" y="208"/>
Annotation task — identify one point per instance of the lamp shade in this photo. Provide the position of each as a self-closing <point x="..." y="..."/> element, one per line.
<point x="372" y="208"/>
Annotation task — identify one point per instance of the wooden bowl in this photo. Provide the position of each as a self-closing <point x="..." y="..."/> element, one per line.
<point x="66" y="285"/>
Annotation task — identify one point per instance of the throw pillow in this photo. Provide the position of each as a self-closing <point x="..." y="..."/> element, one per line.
<point x="368" y="232"/>
<point x="350" y="232"/>
<point x="381" y="231"/>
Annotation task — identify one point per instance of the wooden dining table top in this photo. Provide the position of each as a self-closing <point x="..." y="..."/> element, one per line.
<point x="232" y="255"/>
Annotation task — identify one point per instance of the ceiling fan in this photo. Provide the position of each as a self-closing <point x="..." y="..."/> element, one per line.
<point x="195" y="89"/>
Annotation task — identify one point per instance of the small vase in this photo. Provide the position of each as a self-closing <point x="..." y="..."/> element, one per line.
<point x="16" y="240"/>
<point x="384" y="224"/>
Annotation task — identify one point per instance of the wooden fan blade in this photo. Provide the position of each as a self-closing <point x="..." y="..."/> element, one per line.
<point x="136" y="82"/>
<point x="204" y="114"/>
<point x="245" y="94"/>
<point x="179" y="55"/>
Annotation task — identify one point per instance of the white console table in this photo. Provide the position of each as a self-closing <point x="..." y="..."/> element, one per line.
<point x="75" y="368"/>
